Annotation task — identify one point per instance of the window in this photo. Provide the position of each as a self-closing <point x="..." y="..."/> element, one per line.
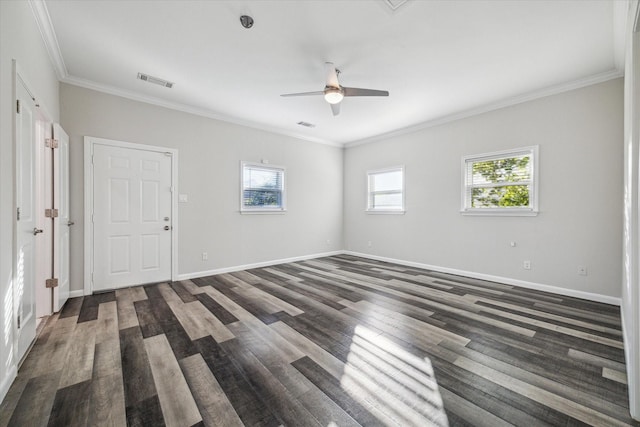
<point x="262" y="188"/>
<point x="386" y="191"/>
<point x="502" y="183"/>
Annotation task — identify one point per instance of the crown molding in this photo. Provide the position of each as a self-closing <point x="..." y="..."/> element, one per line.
<point x="134" y="96"/>
<point x="507" y="102"/>
<point x="43" y="21"/>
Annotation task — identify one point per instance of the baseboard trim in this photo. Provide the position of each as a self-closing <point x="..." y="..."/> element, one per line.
<point x="506" y="280"/>
<point x="7" y="381"/>
<point x="76" y="293"/>
<point x="187" y="276"/>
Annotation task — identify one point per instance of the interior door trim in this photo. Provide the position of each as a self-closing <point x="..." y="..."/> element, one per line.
<point x="89" y="144"/>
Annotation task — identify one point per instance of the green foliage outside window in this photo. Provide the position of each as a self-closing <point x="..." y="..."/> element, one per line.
<point x="509" y="171"/>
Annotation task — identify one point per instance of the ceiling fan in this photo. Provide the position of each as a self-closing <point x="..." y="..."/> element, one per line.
<point x="334" y="93"/>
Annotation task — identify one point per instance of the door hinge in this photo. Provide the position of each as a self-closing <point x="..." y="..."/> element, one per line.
<point x="19" y="319"/>
<point x="51" y="283"/>
<point x="18" y="106"/>
<point x="51" y="143"/>
<point x="17" y="214"/>
<point x="51" y="213"/>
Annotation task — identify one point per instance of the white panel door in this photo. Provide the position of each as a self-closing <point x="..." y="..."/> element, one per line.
<point x="131" y="217"/>
<point x="26" y="231"/>
<point x="62" y="223"/>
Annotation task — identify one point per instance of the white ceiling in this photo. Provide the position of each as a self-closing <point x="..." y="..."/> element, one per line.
<point x="438" y="59"/>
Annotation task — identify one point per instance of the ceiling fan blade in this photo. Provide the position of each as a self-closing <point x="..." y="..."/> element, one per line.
<point x="335" y="108"/>
<point x="319" y="92"/>
<point x="332" y="75"/>
<point x="354" y="91"/>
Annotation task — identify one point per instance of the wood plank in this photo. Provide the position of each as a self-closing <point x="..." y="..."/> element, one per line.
<point x="136" y="372"/>
<point x="176" y="401"/>
<point x="197" y="321"/>
<point x="614" y="375"/>
<point x="249" y="406"/>
<point x="127" y="316"/>
<point x="71" y="405"/>
<point x="36" y="401"/>
<point x="310" y="349"/>
<point x="575" y="410"/>
<point x="107" y="401"/>
<point x="216" y="309"/>
<point x="214" y="406"/>
<point x="78" y="366"/>
<point x="90" y="304"/>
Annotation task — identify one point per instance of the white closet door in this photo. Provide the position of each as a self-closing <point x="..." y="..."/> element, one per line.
<point x="26" y="231"/>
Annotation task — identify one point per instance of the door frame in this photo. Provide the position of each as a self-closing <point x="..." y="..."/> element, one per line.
<point x="89" y="143"/>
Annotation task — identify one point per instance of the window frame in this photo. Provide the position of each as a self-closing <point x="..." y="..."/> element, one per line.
<point x="386" y="211"/>
<point x="531" y="210"/>
<point x="263" y="209"/>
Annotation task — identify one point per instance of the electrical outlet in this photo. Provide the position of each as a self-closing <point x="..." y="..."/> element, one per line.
<point x="512" y="244"/>
<point x="205" y="256"/>
<point x="582" y="270"/>
<point x="526" y="265"/>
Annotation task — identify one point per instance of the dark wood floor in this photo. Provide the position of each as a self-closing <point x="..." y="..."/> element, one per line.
<point x="336" y="341"/>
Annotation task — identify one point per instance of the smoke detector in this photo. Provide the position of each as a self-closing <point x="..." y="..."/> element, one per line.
<point x="246" y="21"/>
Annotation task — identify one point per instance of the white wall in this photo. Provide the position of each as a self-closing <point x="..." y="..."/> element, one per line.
<point x="20" y="40"/>
<point x="210" y="152"/>
<point x="580" y="221"/>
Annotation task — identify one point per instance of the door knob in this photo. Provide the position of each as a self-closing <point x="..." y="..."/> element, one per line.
<point x="166" y="218"/>
<point x="70" y="223"/>
<point x="166" y="227"/>
<point x="37" y="231"/>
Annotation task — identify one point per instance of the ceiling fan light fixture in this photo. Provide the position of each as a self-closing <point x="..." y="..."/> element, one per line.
<point x="333" y="95"/>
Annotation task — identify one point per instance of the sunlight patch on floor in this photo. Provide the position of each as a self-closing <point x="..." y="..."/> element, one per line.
<point x="395" y="386"/>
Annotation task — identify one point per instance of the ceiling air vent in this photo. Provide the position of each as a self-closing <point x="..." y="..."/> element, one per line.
<point x="394" y="4"/>
<point x="307" y="124"/>
<point x="155" y="80"/>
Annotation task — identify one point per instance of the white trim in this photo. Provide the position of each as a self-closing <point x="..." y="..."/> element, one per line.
<point x="89" y="143"/>
<point x="499" y="279"/>
<point x="77" y="293"/>
<point x="6" y="383"/>
<point x="186" y="276"/>
<point x="43" y="21"/>
<point x="534" y="152"/>
<point x="111" y="90"/>
<point x="264" y="209"/>
<point x="507" y="102"/>
<point x="500" y="212"/>
<point x="383" y="211"/>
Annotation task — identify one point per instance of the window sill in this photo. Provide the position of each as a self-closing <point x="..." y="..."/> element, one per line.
<point x="500" y="212"/>
<point x="264" y="212"/>
<point x="385" y="212"/>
